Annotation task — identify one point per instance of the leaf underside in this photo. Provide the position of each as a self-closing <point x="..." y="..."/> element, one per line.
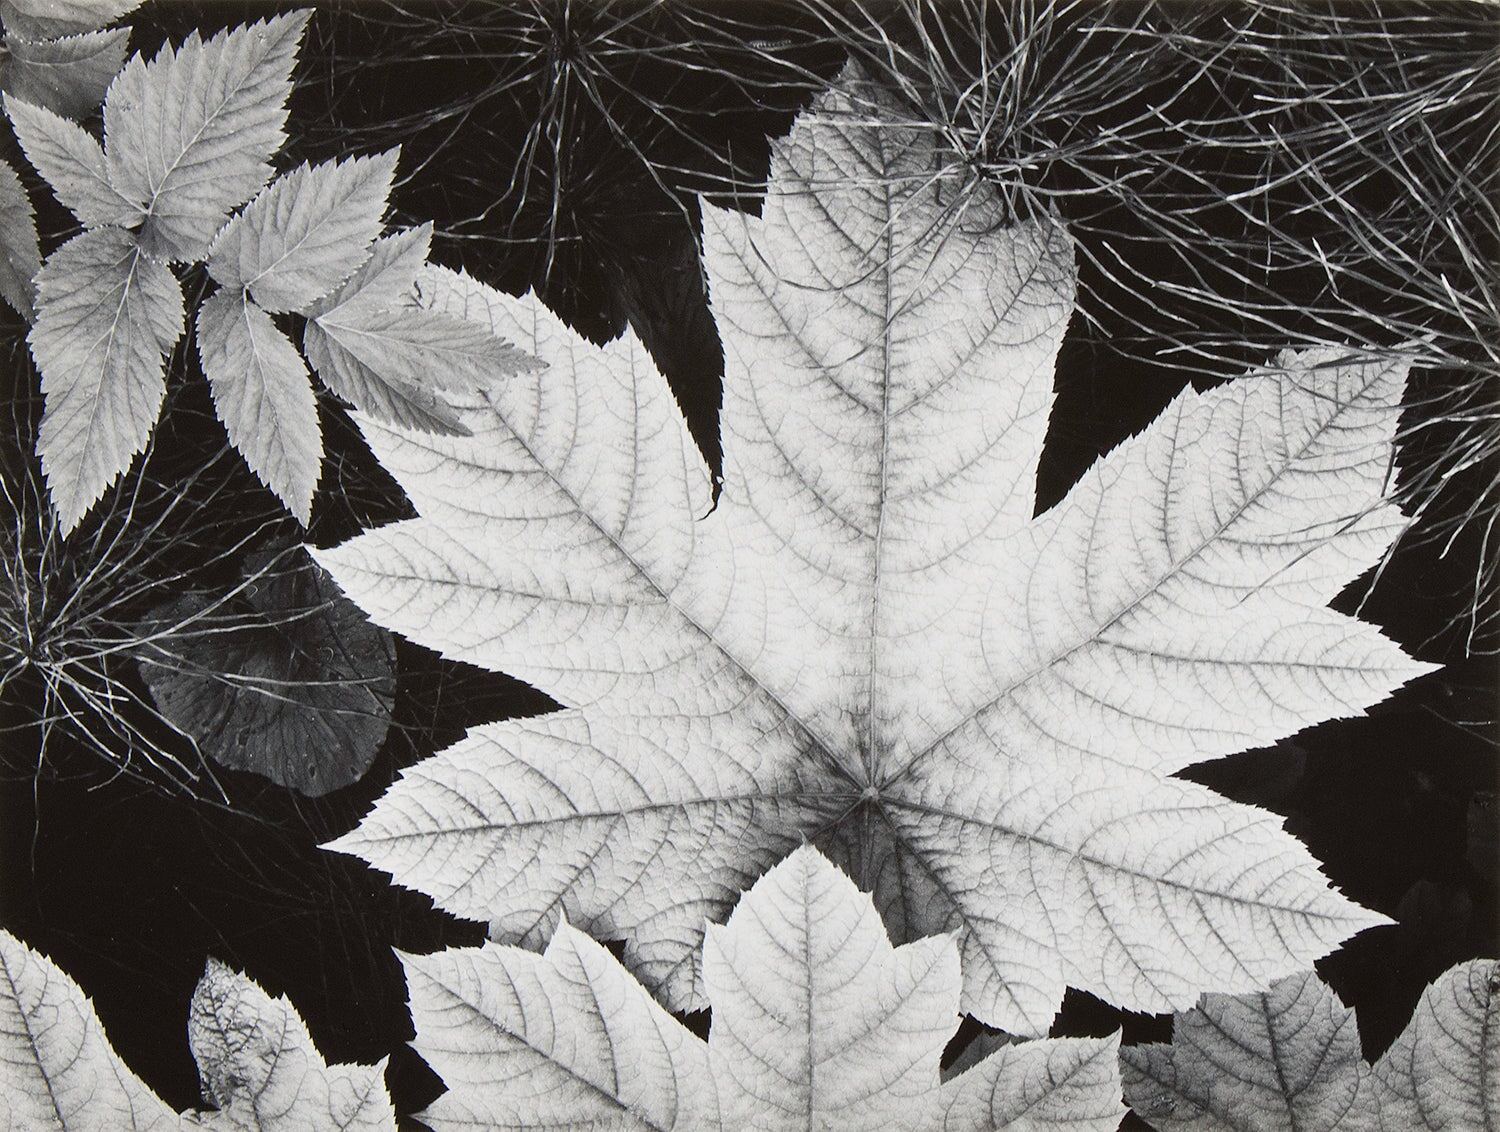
<point x="818" y="1022"/>
<point x="871" y="643"/>
<point x="1290" y="1058"/>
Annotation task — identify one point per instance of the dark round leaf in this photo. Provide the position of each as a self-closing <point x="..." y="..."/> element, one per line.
<point x="283" y="676"/>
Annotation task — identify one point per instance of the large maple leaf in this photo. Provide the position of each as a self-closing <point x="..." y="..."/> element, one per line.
<point x="871" y="643"/>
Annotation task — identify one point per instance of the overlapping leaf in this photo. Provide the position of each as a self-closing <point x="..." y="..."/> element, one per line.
<point x="871" y="643"/>
<point x="1290" y="1058"/>
<point x="258" y="1065"/>
<point x="407" y="359"/>
<point x="818" y="1022"/>
<point x="262" y="393"/>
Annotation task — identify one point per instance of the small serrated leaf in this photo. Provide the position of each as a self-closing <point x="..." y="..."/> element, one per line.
<point x="43" y="19"/>
<point x="305" y="233"/>
<point x="20" y="258"/>
<point x="411" y="406"/>
<point x="68" y="76"/>
<point x="72" y="162"/>
<point x="261" y="1070"/>
<point x="107" y="316"/>
<point x="262" y="393"/>
<point x="189" y="135"/>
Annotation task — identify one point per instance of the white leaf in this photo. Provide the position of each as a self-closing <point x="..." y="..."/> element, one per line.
<point x="818" y="1022"/>
<point x="106" y="318"/>
<point x="258" y="1065"/>
<point x="20" y="258"/>
<point x="1290" y="1058"/>
<point x="411" y="365"/>
<point x="305" y="233"/>
<point x="190" y="134"/>
<point x="39" y="19"/>
<point x="262" y="1072"/>
<point x="262" y="394"/>
<point x="57" y="1070"/>
<point x="68" y="76"/>
<point x="72" y="162"/>
<point x="871" y="642"/>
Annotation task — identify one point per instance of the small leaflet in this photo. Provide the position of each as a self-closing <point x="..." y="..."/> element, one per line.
<point x="305" y="233"/>
<point x="20" y="258"/>
<point x="68" y="76"/>
<point x="107" y="316"/>
<point x="262" y="393"/>
<point x="43" y="19"/>
<point x="72" y="162"/>
<point x="190" y="134"/>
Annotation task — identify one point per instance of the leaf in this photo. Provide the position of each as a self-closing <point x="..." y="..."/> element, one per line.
<point x="290" y="681"/>
<point x="412" y="365"/>
<point x="1443" y="1071"/>
<point x="190" y="134"/>
<point x="1290" y="1058"/>
<point x="69" y="75"/>
<point x="261" y="1070"/>
<point x="72" y="163"/>
<point x="106" y="318"/>
<point x="262" y="394"/>
<point x="257" y="1062"/>
<point x="40" y="19"/>
<point x="57" y="1070"/>
<point x="871" y="643"/>
<point x="818" y="1022"/>
<point x="305" y="233"/>
<point x="20" y="258"/>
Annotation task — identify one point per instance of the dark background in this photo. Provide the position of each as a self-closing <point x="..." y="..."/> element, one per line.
<point x="563" y="148"/>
